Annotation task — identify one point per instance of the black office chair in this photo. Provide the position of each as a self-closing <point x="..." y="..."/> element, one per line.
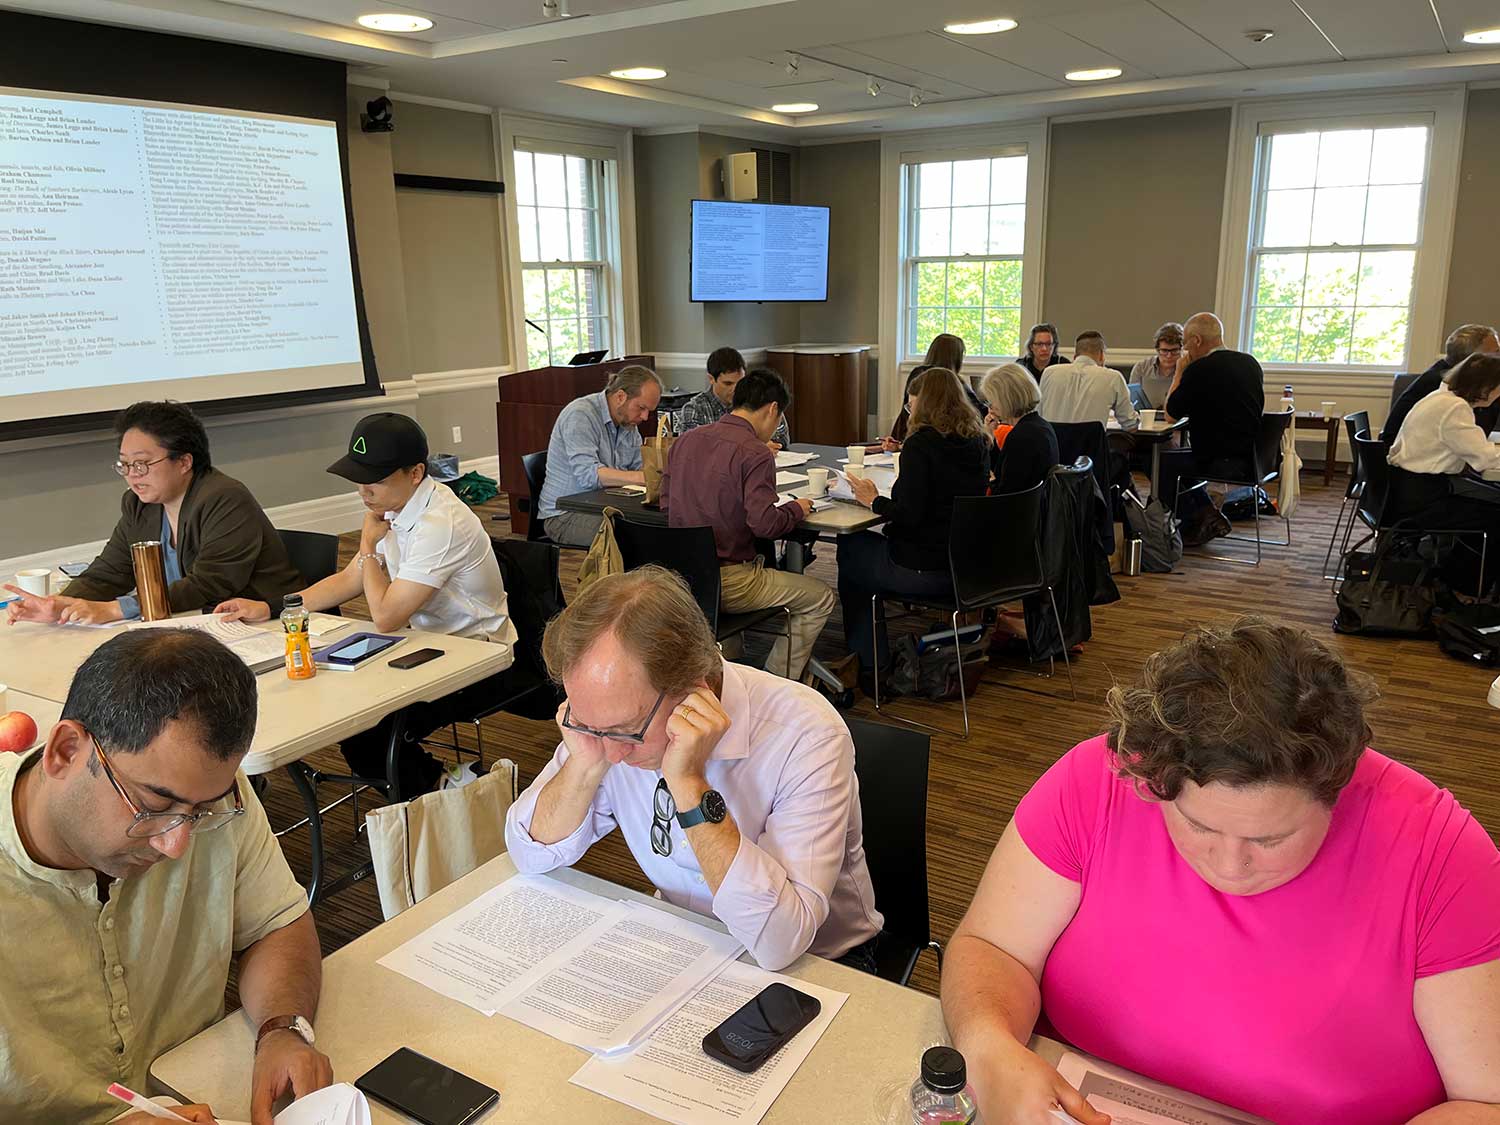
<point x="994" y="557"/>
<point x="1265" y="468"/>
<point x="1354" y="425"/>
<point x="534" y="465"/>
<point x="314" y="554"/>
<point x="890" y="764"/>
<point x="1399" y="383"/>
<point x="690" y="551"/>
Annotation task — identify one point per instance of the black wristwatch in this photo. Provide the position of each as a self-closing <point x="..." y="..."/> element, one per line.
<point x="710" y="808"/>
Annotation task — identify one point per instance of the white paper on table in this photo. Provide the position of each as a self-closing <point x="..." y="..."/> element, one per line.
<point x="611" y="993"/>
<point x="669" y="1076"/>
<point x="1130" y="1099"/>
<point x="878" y="460"/>
<point x="253" y="646"/>
<point x="784" y="479"/>
<point x="321" y="624"/>
<point x="820" y="504"/>
<point x="838" y="483"/>
<point x="790" y="458"/>
<point x="482" y="953"/>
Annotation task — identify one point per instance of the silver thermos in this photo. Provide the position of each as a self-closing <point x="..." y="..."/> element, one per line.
<point x="1132" y="557"/>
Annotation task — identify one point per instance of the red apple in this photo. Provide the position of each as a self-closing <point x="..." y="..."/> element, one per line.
<point x="17" y="731"/>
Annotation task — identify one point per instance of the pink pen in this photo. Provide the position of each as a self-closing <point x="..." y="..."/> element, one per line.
<point x="145" y="1105"/>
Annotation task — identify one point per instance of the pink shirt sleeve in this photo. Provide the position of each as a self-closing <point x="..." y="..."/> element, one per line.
<point x="1458" y="911"/>
<point x="1062" y="817"/>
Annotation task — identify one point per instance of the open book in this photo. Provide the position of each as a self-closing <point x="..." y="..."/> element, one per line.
<point x="261" y="649"/>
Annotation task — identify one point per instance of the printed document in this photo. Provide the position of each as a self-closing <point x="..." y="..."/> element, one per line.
<point x="669" y="1076"/>
<point x="788" y="458"/>
<point x="1130" y="1099"/>
<point x="786" y="480"/>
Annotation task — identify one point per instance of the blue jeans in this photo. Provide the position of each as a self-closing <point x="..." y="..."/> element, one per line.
<point x="865" y="569"/>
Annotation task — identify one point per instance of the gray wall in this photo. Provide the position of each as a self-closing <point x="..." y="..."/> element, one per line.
<point x="1134" y="208"/>
<point x="1473" y="280"/>
<point x="666" y="182"/>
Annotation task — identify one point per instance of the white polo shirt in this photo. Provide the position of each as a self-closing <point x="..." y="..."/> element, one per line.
<point x="437" y="541"/>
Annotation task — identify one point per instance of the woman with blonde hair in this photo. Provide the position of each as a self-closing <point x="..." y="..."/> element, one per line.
<point x="1027" y="444"/>
<point x="945" y="455"/>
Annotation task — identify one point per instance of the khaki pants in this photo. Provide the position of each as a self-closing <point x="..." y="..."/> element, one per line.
<point x="749" y="586"/>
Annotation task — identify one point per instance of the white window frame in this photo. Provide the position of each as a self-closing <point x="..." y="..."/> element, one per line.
<point x="896" y="152"/>
<point x="1442" y="111"/>
<point x="613" y="148"/>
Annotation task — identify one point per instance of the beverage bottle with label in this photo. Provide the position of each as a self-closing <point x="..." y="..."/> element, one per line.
<point x="294" y="622"/>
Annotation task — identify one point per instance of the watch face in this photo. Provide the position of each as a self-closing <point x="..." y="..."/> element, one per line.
<point x="714" y="809"/>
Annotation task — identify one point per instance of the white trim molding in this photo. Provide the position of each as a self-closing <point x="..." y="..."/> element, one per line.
<point x="1443" y="108"/>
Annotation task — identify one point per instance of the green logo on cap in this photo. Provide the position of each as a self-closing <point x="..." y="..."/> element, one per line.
<point x="359" y="445"/>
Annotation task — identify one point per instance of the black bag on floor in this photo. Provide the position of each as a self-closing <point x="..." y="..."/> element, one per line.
<point x="933" y="672"/>
<point x="1470" y="633"/>
<point x="1390" y="592"/>
<point x="1158" y="531"/>
<point x="1238" y="503"/>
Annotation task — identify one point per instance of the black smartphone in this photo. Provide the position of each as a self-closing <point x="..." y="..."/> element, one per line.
<point x="425" y="1090"/>
<point x="759" y="1029"/>
<point x="412" y="659"/>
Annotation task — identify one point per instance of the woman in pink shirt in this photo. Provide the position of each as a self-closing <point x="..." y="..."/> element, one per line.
<point x="1231" y="893"/>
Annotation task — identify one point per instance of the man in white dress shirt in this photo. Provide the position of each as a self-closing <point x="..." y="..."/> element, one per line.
<point x="734" y="787"/>
<point x="425" y="561"/>
<point x="1085" y="390"/>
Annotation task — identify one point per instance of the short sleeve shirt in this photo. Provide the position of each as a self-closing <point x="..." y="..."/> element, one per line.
<point x="1294" y="1004"/>
<point x="92" y="993"/>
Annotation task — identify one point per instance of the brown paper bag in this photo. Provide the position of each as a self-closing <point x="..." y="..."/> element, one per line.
<point x="654" y="457"/>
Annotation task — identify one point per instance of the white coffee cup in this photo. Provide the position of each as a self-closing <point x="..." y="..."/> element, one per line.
<point x="896" y="464"/>
<point x="1148" y="418"/>
<point x="1328" y="409"/>
<point x="856" y="454"/>
<point x="855" y="472"/>
<point x="817" y="482"/>
<point x="35" y="581"/>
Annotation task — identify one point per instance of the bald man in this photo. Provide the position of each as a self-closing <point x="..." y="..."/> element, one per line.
<point x="1222" y="395"/>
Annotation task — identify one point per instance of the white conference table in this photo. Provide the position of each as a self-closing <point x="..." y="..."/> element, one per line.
<point x="295" y="717"/>
<point x="1157" y="434"/>
<point x="368" y="1011"/>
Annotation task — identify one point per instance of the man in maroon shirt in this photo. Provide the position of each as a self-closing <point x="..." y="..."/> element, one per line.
<point x="723" y="476"/>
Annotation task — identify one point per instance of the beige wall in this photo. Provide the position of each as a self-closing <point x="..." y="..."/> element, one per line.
<point x="1132" y="242"/>
<point x="846" y="179"/>
<point x="378" y="241"/>
<point x="1473" y="276"/>
<point x="666" y="182"/>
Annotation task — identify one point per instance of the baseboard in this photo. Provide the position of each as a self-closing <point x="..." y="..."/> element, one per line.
<point x="332" y="515"/>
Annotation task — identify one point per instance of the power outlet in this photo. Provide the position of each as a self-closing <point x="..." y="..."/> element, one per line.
<point x="458" y="435"/>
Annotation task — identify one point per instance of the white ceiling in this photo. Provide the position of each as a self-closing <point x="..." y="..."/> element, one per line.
<point x="727" y="59"/>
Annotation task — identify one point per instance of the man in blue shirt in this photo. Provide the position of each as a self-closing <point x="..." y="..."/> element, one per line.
<point x="595" y="444"/>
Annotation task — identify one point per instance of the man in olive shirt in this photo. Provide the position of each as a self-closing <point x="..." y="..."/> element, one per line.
<point x="135" y="862"/>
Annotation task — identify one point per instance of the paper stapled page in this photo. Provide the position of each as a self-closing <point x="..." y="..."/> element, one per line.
<point x="669" y="1076"/>
<point x="610" y="993"/>
<point x="482" y="953"/>
<point x="1130" y="1099"/>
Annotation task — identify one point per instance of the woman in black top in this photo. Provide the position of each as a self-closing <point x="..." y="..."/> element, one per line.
<point x="1029" y="451"/>
<point x="1041" y="350"/>
<point x="946" y="350"/>
<point x="945" y="455"/>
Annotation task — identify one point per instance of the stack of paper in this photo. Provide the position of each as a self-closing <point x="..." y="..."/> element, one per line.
<point x="787" y="458"/>
<point x="785" y="479"/>
<point x="339" y="1104"/>
<point x="261" y="649"/>
<point x="838" y="485"/>
<point x="1130" y="1099"/>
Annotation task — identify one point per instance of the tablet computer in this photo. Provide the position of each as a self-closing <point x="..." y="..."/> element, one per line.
<point x="354" y="651"/>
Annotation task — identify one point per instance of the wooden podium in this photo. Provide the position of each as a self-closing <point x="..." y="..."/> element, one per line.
<point x="527" y="405"/>
<point x="829" y="399"/>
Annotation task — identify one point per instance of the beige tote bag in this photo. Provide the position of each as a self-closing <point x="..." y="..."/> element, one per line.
<point x="422" y="845"/>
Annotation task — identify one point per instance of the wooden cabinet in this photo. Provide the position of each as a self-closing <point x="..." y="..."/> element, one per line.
<point x="829" y="391"/>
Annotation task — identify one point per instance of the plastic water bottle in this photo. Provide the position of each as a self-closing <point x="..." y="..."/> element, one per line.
<point x="299" y="661"/>
<point x="942" y="1095"/>
<point x="1286" y="398"/>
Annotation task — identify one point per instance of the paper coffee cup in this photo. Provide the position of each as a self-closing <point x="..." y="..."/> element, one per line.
<point x="856" y="454"/>
<point x="855" y="472"/>
<point x="1328" y="409"/>
<point x="35" y="581"/>
<point x="896" y="463"/>
<point x="1148" y="417"/>
<point x="817" y="482"/>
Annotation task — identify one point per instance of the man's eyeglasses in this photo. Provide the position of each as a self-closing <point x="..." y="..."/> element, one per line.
<point x="613" y="735"/>
<point x="138" y="468"/>
<point x="148" y="824"/>
<point x="663" y="812"/>
<point x="1168" y="351"/>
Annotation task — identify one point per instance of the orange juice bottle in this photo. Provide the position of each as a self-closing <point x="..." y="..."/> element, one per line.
<point x="299" y="661"/>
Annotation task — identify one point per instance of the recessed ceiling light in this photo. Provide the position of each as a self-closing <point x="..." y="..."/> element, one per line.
<point x="1488" y="35"/>
<point x="980" y="27"/>
<point x="639" y="73"/>
<point x="794" y="107"/>
<point x="1098" y="74"/>
<point x="394" y="21"/>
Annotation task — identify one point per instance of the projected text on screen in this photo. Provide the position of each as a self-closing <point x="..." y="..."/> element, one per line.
<point x="147" y="244"/>
<point x="759" y="252"/>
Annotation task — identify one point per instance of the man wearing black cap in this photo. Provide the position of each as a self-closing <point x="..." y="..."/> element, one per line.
<point x="424" y="561"/>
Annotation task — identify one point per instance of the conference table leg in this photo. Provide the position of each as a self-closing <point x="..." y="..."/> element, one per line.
<point x="1156" y="470"/>
<point x="306" y="782"/>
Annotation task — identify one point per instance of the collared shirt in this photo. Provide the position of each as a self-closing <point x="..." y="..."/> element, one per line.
<point x="585" y="439"/>
<point x="436" y="540"/>
<point x="722" y="476"/>
<point x="785" y="768"/>
<point x="130" y="605"/>
<point x="1154" y="385"/>
<point x="92" y="993"/>
<point x="1086" y="391"/>
<point x="704" y="409"/>
<point x="1441" y="436"/>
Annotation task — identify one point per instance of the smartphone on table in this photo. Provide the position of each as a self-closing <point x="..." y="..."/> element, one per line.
<point x="761" y="1027"/>
<point x="425" y="1090"/>
<point x="413" y="659"/>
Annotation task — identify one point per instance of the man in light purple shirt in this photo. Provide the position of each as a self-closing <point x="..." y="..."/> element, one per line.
<point x="734" y="788"/>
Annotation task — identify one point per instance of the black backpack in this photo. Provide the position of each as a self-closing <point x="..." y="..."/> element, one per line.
<point x="1470" y="633"/>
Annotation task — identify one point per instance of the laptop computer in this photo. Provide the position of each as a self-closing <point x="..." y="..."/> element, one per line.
<point x="583" y="358"/>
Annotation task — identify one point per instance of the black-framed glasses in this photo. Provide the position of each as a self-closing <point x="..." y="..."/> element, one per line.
<point x="148" y="824"/>
<point x="1168" y="351"/>
<point x="138" y="468"/>
<point x="663" y="812"/>
<point x="613" y="735"/>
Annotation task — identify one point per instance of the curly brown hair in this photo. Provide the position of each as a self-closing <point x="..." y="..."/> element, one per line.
<point x="1251" y="703"/>
<point x="942" y="405"/>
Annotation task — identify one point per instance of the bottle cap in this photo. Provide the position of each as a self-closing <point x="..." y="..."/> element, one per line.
<point x="292" y="601"/>
<point x="944" y="1070"/>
